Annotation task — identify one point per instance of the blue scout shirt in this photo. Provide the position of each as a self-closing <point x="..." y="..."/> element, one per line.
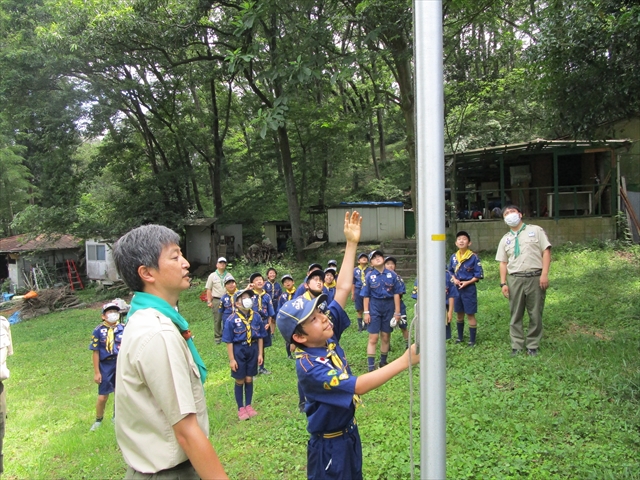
<point x="382" y="285"/>
<point x="468" y="269"/>
<point x="414" y="292"/>
<point x="450" y="290"/>
<point x="359" y="276"/>
<point x="262" y="304"/>
<point x="235" y="328"/>
<point x="275" y="291"/>
<point x="331" y="293"/>
<point x="226" y="306"/>
<point x="99" y="340"/>
<point x="328" y="389"/>
<point x="284" y="298"/>
<point x="303" y="288"/>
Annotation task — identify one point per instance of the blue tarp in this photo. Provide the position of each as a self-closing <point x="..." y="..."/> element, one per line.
<point x="15" y="318"/>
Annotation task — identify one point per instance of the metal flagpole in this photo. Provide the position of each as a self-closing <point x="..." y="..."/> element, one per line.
<point x="429" y="94"/>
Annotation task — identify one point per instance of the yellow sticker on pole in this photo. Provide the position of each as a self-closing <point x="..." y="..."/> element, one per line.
<point x="438" y="237"/>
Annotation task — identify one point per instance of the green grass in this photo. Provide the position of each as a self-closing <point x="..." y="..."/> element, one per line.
<point x="571" y="412"/>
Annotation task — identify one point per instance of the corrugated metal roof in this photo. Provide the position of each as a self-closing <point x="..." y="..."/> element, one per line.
<point x="21" y="243"/>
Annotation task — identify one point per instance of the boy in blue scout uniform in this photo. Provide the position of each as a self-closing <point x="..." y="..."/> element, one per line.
<point x="289" y="289"/>
<point x="330" y="283"/>
<point x="381" y="293"/>
<point x="263" y="305"/>
<point x="465" y="269"/>
<point x="303" y="286"/>
<point x="450" y="294"/>
<point x="273" y="288"/>
<point x="359" y="274"/>
<point x="244" y="333"/>
<point x="226" y="301"/>
<point x="334" y="450"/>
<point x="333" y="264"/>
<point x="401" y="323"/>
<point x="105" y="344"/>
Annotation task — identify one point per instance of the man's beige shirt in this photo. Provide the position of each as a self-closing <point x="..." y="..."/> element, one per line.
<point x="533" y="241"/>
<point x="6" y="347"/>
<point x="158" y="384"/>
<point x="216" y="284"/>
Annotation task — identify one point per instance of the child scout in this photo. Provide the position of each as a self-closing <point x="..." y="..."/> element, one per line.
<point x="359" y="274"/>
<point x="105" y="343"/>
<point x="263" y="306"/>
<point x="332" y="392"/>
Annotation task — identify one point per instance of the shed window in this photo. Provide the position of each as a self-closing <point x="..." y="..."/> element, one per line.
<point x="96" y="252"/>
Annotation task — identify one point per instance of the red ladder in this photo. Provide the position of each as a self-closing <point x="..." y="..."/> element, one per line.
<point x="74" y="276"/>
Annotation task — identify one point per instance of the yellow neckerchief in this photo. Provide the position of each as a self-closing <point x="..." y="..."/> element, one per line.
<point x="290" y="292"/>
<point x="462" y="258"/>
<point x="331" y="285"/>
<point x="260" y="295"/>
<point x="308" y="295"/>
<point x="233" y="307"/>
<point x="361" y="273"/>
<point x="336" y="361"/>
<point x="110" y="335"/>
<point x="247" y="323"/>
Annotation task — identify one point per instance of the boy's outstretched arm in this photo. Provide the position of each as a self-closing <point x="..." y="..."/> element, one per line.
<point x="352" y="228"/>
<point x="372" y="380"/>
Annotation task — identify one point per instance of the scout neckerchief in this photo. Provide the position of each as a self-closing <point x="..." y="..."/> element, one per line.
<point x="110" y="335"/>
<point x="260" y="295"/>
<point x="336" y="361"/>
<point x="516" y="250"/>
<point x="142" y="300"/>
<point x="460" y="258"/>
<point x="330" y="285"/>
<point x="247" y="323"/>
<point x="290" y="292"/>
<point x="362" y="279"/>
<point x="221" y="277"/>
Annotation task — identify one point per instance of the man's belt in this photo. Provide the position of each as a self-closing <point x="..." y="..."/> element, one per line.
<point x="532" y="273"/>
<point x="339" y="433"/>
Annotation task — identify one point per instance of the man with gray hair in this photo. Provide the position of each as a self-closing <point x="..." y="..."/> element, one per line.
<point x="162" y="425"/>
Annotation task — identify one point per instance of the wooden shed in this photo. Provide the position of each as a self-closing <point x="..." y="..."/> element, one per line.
<point x="380" y="221"/>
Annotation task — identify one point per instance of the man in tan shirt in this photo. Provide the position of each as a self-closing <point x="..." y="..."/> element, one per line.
<point x="215" y="291"/>
<point x="524" y="254"/>
<point x="162" y="425"/>
<point x="6" y="349"/>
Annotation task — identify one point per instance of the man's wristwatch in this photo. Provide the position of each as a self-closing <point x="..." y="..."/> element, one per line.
<point x="503" y="285"/>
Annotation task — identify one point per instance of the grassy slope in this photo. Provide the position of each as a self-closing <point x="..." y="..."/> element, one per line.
<point x="572" y="412"/>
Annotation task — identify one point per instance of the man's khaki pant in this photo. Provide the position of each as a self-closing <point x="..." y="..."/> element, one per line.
<point x="525" y="292"/>
<point x="217" y="319"/>
<point x="3" y="416"/>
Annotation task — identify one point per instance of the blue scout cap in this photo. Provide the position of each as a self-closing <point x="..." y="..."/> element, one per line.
<point x="229" y="278"/>
<point x="285" y="276"/>
<point x="110" y="306"/>
<point x="254" y="276"/>
<point x="362" y="254"/>
<point x="315" y="273"/>
<point x="332" y="262"/>
<point x="239" y="293"/>
<point x="314" y="266"/>
<point x="330" y="270"/>
<point x="391" y="259"/>
<point x="296" y="311"/>
<point x="374" y="253"/>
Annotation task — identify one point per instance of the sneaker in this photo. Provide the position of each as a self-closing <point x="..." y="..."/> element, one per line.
<point x="458" y="340"/>
<point x="532" y="352"/>
<point x="264" y="371"/>
<point x="250" y="411"/>
<point x="95" y="426"/>
<point x="471" y="344"/>
<point x="242" y="414"/>
<point x="380" y="365"/>
<point x="301" y="407"/>
<point x="515" y="352"/>
<point x="218" y="342"/>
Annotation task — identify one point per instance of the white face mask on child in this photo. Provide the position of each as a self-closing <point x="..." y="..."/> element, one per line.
<point x="513" y="219"/>
<point x="113" y="317"/>
<point x="247" y="303"/>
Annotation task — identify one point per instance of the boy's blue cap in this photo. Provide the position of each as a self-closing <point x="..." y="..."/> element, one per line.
<point x="296" y="311"/>
<point x="374" y="253"/>
<point x="254" y="276"/>
<point x="239" y="293"/>
<point x="229" y="278"/>
<point x="110" y="306"/>
<point x="315" y="273"/>
<point x="362" y="254"/>
<point x="391" y="259"/>
<point x="330" y="270"/>
<point x="285" y="276"/>
<point x="314" y="266"/>
<point x="332" y="262"/>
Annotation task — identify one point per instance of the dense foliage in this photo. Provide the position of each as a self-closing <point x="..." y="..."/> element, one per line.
<point x="113" y="114"/>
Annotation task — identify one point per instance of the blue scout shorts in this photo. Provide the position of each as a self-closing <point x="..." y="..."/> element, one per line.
<point x="108" y="372"/>
<point x="358" y="300"/>
<point x="336" y="458"/>
<point x="380" y="311"/>
<point x="466" y="301"/>
<point x="247" y="359"/>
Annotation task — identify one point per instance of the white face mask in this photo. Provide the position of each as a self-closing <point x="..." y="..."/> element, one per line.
<point x="512" y="219"/>
<point x="247" y="303"/>
<point x="113" y="317"/>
